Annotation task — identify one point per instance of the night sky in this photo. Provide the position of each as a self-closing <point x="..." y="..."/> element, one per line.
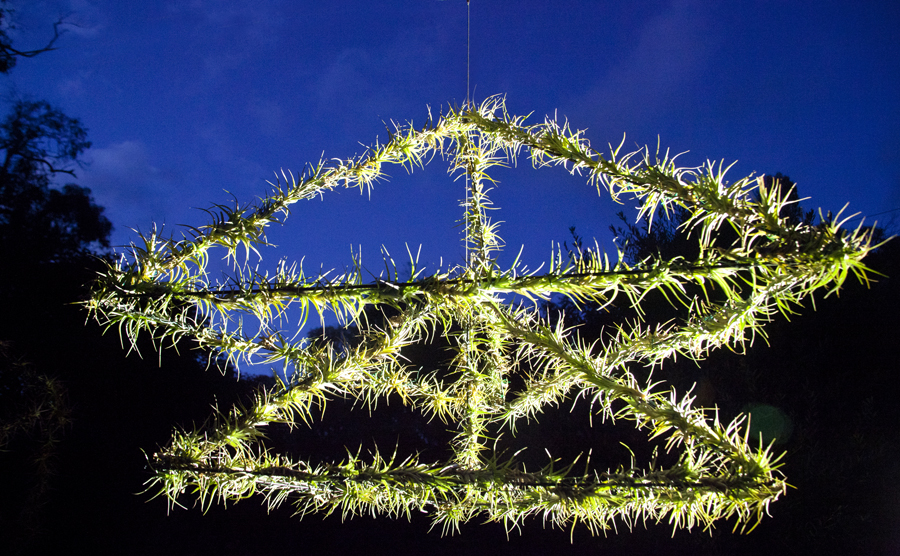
<point x="190" y="102"/>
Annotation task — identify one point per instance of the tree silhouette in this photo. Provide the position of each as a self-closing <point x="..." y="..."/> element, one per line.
<point x="38" y="222"/>
<point x="74" y="412"/>
<point x="43" y="233"/>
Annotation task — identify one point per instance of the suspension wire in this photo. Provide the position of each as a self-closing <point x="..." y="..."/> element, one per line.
<point x="468" y="44"/>
<point x="467" y="106"/>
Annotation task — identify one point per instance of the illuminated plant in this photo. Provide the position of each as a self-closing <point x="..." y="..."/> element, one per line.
<point x="163" y="290"/>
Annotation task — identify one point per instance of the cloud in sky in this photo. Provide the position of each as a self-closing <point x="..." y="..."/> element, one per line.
<point x="138" y="191"/>
<point x="81" y="18"/>
<point x="269" y="114"/>
<point x="84" y="19"/>
<point x="254" y="21"/>
<point x="387" y="79"/>
<point x="76" y="85"/>
<point x="346" y="72"/>
<point x="671" y="52"/>
<point x="125" y="161"/>
<point x="227" y="34"/>
<point x="123" y="179"/>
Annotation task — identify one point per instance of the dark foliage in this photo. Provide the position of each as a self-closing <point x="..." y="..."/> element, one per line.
<point x="75" y="411"/>
<point x="40" y="224"/>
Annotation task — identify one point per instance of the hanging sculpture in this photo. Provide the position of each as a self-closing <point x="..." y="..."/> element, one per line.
<point x="163" y="290"/>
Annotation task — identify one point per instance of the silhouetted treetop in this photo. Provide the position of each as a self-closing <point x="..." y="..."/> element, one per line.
<point x="37" y="221"/>
<point x="9" y="55"/>
<point x="38" y="139"/>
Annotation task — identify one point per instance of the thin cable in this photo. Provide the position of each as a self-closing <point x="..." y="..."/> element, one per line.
<point x="468" y="44"/>
<point x="468" y="51"/>
<point x="883" y="212"/>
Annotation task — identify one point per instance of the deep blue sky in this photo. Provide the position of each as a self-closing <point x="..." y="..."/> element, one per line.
<point x="186" y="99"/>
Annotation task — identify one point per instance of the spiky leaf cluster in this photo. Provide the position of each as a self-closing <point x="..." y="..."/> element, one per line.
<point x="163" y="289"/>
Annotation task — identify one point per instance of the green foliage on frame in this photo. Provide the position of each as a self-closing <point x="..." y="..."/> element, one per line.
<point x="163" y="290"/>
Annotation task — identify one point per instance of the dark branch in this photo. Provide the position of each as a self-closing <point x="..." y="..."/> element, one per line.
<point x="32" y="53"/>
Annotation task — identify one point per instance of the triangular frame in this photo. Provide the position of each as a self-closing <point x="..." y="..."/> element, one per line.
<point x="162" y="289"/>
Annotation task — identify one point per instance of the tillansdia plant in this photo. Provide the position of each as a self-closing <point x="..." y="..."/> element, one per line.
<point x="163" y="289"/>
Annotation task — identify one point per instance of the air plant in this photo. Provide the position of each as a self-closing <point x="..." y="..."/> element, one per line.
<point x="162" y="289"/>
